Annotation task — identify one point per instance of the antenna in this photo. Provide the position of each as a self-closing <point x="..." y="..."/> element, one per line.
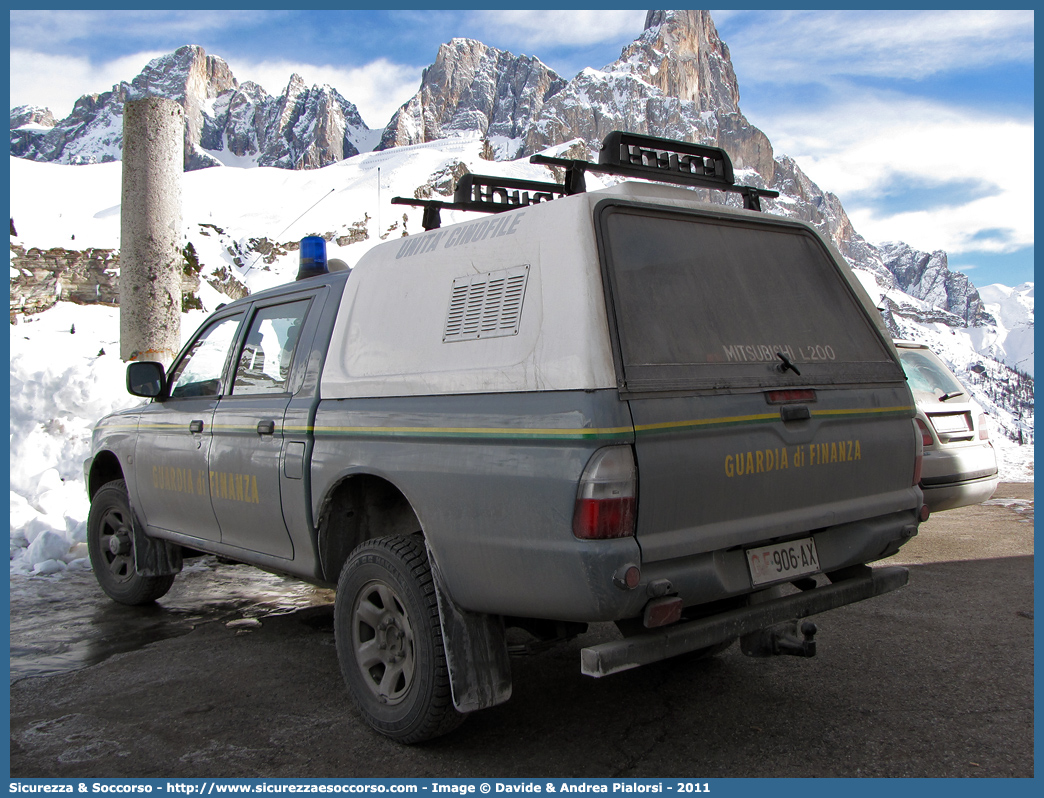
<point x="295" y="221"/>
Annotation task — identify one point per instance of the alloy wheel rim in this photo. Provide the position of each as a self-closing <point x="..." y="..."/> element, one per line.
<point x="116" y="545"/>
<point x="383" y="642"/>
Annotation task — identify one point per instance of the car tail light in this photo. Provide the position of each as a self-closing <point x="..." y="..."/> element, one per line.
<point x="919" y="457"/>
<point x="984" y="434"/>
<point x="790" y="395"/>
<point x="607" y="496"/>
<point x="926" y="435"/>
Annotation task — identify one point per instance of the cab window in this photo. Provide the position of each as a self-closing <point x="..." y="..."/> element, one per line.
<point x="199" y="372"/>
<point x="268" y="352"/>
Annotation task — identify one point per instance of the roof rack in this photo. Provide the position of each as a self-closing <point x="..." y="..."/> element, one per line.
<point x="622" y="154"/>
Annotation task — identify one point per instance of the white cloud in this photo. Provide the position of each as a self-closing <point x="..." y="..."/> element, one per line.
<point x="377" y="88"/>
<point x="863" y="150"/>
<point x="58" y="81"/>
<point x="548" y="28"/>
<point x="815" y="46"/>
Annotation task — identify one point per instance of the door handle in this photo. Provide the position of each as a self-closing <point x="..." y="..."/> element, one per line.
<point x="196" y="426"/>
<point x="265" y="427"/>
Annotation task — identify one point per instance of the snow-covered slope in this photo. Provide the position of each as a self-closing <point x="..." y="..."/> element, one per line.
<point x="1011" y="341"/>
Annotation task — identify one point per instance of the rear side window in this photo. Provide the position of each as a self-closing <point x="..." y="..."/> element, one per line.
<point x="703" y="302"/>
<point x="268" y="352"/>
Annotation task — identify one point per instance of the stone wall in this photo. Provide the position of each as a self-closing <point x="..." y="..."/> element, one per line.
<point x="86" y="277"/>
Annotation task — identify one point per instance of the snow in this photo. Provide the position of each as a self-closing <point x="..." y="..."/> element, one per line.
<point x="226" y="157"/>
<point x="89" y="207"/>
<point x="1013" y="309"/>
<point x="62" y="382"/>
<point x="60" y="385"/>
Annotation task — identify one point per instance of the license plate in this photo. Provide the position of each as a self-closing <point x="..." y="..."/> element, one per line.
<point x="953" y="422"/>
<point x="783" y="561"/>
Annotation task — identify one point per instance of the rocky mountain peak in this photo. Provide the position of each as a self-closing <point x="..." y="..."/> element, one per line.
<point x="472" y="88"/>
<point x="192" y="78"/>
<point x="29" y="123"/>
<point x="187" y="73"/>
<point x="34" y="115"/>
<point x="224" y="120"/>
<point x="294" y="86"/>
<point x="927" y="276"/>
<point x="681" y="54"/>
<point x="675" y="80"/>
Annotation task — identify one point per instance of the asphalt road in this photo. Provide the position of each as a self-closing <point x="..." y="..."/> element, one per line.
<point x="935" y="679"/>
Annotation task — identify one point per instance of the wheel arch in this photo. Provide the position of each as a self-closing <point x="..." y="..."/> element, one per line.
<point x="105" y="468"/>
<point x="358" y="508"/>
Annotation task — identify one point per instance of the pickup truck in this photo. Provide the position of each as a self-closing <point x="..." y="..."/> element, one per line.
<point x="624" y="405"/>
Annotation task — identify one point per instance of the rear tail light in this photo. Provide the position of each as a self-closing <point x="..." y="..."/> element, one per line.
<point x="926" y="435"/>
<point x="923" y="439"/>
<point x="607" y="496"/>
<point x="790" y="395"/>
<point x="984" y="434"/>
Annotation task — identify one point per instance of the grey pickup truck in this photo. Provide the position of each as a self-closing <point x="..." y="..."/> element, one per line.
<point x="621" y="405"/>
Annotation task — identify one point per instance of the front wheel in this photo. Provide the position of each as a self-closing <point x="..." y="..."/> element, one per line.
<point x="389" y="640"/>
<point x="110" y="542"/>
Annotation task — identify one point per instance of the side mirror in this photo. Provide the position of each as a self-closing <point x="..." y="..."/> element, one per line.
<point x="146" y="378"/>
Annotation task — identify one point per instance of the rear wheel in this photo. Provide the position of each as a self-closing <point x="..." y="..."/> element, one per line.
<point x="110" y="542"/>
<point x="389" y="640"/>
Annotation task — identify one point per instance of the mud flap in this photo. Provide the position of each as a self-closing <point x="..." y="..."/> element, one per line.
<point x="153" y="557"/>
<point x="476" y="651"/>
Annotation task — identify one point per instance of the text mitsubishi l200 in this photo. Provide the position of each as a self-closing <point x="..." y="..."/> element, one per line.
<point x="623" y="405"/>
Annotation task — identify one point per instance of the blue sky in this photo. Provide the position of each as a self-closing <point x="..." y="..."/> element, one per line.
<point x="921" y="121"/>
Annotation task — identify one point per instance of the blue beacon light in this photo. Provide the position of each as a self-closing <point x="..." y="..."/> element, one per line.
<point x="313" y="257"/>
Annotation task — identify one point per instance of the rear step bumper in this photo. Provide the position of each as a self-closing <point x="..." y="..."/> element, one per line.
<point x="621" y="655"/>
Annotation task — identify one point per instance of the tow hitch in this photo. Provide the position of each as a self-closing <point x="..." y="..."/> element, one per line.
<point x="795" y="638"/>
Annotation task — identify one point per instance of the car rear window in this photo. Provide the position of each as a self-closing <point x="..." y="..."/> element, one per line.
<point x="707" y="302"/>
<point x="927" y="376"/>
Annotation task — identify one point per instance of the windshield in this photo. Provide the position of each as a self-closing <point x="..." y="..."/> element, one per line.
<point x="709" y="302"/>
<point x="927" y="375"/>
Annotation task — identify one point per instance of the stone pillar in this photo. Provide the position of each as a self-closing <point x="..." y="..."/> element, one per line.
<point x="150" y="230"/>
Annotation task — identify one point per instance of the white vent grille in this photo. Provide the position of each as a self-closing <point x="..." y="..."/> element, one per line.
<point x="486" y="305"/>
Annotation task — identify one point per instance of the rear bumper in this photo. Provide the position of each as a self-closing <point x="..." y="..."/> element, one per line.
<point x="948" y="495"/>
<point x="956" y="475"/>
<point x="620" y="655"/>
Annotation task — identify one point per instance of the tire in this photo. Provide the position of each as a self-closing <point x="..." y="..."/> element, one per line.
<point x="110" y="542"/>
<point x="389" y="640"/>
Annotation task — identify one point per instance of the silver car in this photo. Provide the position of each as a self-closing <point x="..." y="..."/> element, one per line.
<point x="960" y="464"/>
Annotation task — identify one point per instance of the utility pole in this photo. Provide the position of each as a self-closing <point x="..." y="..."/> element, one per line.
<point x="150" y="230"/>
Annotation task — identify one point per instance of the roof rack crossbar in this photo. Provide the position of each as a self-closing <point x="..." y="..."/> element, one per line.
<point x="485" y="194"/>
<point x="505" y="190"/>
<point x="666" y="155"/>
<point x="664" y="160"/>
